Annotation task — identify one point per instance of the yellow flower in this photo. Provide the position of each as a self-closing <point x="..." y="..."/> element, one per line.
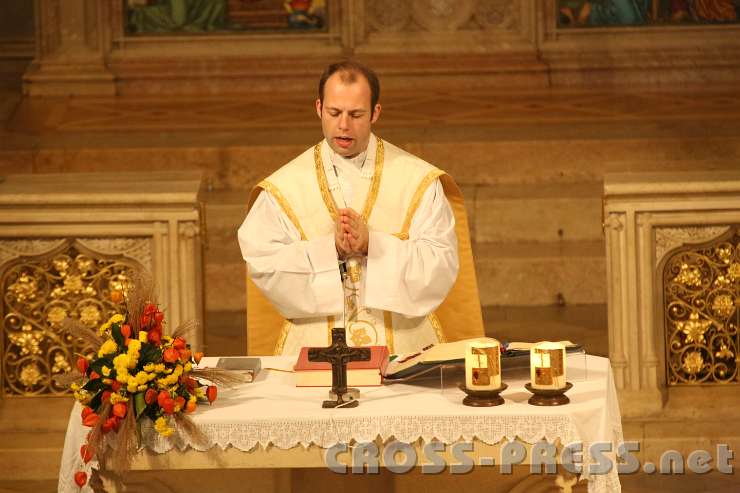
<point x="74" y="387"/>
<point x="116" y="397"/>
<point x="159" y="368"/>
<point x="117" y="318"/>
<point x="108" y="347"/>
<point x="142" y="336"/>
<point x="149" y="367"/>
<point x="162" y="427"/>
<point x="106" y="371"/>
<point x="200" y="393"/>
<point x="142" y="388"/>
<point x="188" y="367"/>
<point x="131" y="387"/>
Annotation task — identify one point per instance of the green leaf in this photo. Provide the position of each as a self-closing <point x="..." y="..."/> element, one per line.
<point x="94" y="385"/>
<point x="98" y="364"/>
<point x="149" y="354"/>
<point x="117" y="336"/>
<point x="96" y="401"/>
<point x="139" y="403"/>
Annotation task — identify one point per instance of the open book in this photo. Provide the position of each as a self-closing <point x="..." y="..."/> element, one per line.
<point x="450" y="353"/>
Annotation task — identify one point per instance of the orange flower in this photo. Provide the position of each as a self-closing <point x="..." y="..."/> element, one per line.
<point x="185" y="355"/>
<point x="171" y="355"/>
<point x="150" y="396"/>
<point x="211" y="393"/>
<point x="190" y="407"/>
<point x="126" y="330"/>
<point x="120" y="409"/>
<point x="82" y="364"/>
<point x="85" y="454"/>
<point x="91" y="419"/>
<point x="178" y="343"/>
<point x="198" y="356"/>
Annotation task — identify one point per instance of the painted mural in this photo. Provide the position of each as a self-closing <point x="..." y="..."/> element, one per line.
<point x="603" y="13"/>
<point x="214" y="16"/>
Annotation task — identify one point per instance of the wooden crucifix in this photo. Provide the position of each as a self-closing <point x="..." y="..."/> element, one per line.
<point x="339" y="354"/>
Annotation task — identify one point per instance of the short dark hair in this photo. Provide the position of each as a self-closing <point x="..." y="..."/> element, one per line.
<point x="348" y="71"/>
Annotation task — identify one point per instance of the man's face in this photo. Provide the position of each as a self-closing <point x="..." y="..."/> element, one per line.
<point x="345" y="115"/>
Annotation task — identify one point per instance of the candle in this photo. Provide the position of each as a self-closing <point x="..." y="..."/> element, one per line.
<point x="483" y="366"/>
<point x="547" y="365"/>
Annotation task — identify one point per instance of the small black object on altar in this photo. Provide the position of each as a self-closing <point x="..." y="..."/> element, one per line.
<point x="549" y="397"/>
<point x="339" y="354"/>
<point x="483" y="398"/>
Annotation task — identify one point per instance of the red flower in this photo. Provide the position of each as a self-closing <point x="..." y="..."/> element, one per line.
<point x="106" y="395"/>
<point x="85" y="454"/>
<point x="150" y="396"/>
<point x="94" y="375"/>
<point x="190" y="406"/>
<point x="178" y="343"/>
<point x="211" y="392"/>
<point x="115" y="386"/>
<point x="80" y="478"/>
<point x="146" y="320"/>
<point x="82" y="364"/>
<point x="87" y="410"/>
<point x="150" y="308"/>
<point x="180" y="401"/>
<point x="159" y="317"/>
<point x="120" y="409"/>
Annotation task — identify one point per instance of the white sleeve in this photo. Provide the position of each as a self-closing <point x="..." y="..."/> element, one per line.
<point x="301" y="278"/>
<point x="413" y="277"/>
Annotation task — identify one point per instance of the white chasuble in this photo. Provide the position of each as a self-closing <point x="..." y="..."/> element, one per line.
<point x="386" y="298"/>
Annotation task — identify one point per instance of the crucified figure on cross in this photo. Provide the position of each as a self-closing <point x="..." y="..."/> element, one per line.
<point x="339" y="354"/>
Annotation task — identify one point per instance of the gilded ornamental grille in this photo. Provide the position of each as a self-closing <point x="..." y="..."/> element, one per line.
<point x="39" y="292"/>
<point x="702" y="312"/>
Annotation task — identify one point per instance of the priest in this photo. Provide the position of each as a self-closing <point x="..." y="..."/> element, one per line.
<point x="354" y="232"/>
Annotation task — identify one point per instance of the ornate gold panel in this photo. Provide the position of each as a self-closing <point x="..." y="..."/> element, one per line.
<point x="702" y="312"/>
<point x="39" y="293"/>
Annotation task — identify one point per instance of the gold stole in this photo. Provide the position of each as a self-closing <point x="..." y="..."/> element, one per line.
<point x="459" y="314"/>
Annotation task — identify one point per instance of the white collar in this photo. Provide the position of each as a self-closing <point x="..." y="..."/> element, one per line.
<point x="367" y="158"/>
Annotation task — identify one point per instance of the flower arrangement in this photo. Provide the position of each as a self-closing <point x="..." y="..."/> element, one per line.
<point x="135" y="373"/>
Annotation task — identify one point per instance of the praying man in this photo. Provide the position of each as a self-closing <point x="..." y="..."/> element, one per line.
<point x="354" y="232"/>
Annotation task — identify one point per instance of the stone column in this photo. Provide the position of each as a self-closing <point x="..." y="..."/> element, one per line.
<point x="72" y="41"/>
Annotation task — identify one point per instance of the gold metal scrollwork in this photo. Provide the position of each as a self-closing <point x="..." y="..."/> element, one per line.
<point x="40" y="292"/>
<point x="701" y="288"/>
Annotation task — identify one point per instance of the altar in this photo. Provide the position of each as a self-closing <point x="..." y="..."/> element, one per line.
<point x="272" y="425"/>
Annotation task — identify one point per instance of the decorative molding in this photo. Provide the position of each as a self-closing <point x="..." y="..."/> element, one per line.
<point x="13" y="249"/>
<point x="139" y="249"/>
<point x="668" y="238"/>
<point x="614" y="221"/>
<point x="442" y="15"/>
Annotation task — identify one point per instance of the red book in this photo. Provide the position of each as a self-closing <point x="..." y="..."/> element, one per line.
<point x="359" y="373"/>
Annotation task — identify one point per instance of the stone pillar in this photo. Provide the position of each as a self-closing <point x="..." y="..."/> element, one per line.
<point x="72" y="41"/>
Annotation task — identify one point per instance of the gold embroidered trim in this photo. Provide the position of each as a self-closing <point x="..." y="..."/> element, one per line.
<point x="330" y="323"/>
<point x="275" y="192"/>
<point x="282" y="338"/>
<point x="372" y="194"/>
<point x="437" y="326"/>
<point x="388" y="322"/>
<point x="415" y="201"/>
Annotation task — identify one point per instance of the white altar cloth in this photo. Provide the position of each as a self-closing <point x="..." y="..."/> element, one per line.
<point x="272" y="410"/>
